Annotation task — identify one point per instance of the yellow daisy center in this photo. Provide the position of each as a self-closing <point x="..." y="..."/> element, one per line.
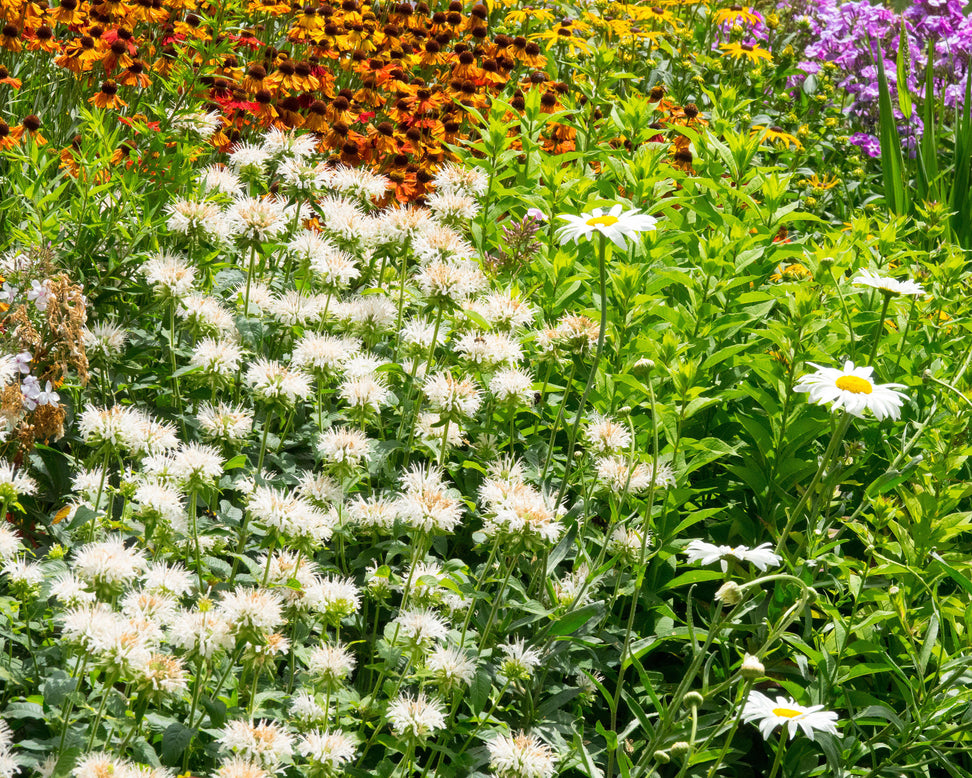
<point x="787" y="713"/>
<point x="602" y="221"/>
<point x="854" y="384"/>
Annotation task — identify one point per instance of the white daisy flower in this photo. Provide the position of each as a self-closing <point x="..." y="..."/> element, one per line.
<point x="770" y="714"/>
<point x="760" y="557"/>
<point x="616" y="225"/>
<point x="888" y="285"/>
<point x="853" y="390"/>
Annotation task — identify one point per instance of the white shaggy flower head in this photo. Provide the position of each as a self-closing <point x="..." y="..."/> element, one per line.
<point x="207" y="315"/>
<point x="105" y="339"/>
<point x="453" y="397"/>
<point x="169" y="275"/>
<point x="225" y="423"/>
<point x="450" y="281"/>
<point x="451" y="667"/>
<point x="853" y="390"/>
<point x="160" y="501"/>
<point x="22" y="573"/>
<point x="503" y="310"/>
<point x="202" y="123"/>
<point x="201" y="632"/>
<point x="427" y="504"/>
<point x="161" y="577"/>
<point x="420" y="627"/>
<point x="440" y="243"/>
<point x="365" y="393"/>
<point x="216" y="178"/>
<point x="247" y="608"/>
<point x="887" y="285"/>
<point x="109" y="563"/>
<point x="197" y="218"/>
<point x="325" y="354"/>
<point x="416" y="717"/>
<point x="456" y="178"/>
<point x="489" y="350"/>
<point x="263" y="742"/>
<point x="616" y="225"/>
<point x="216" y="358"/>
<point x="519" y="661"/>
<point x="344" y="446"/>
<point x="605" y="435"/>
<point x="257" y="219"/>
<point x="335" y="268"/>
<point x="248" y="158"/>
<point x="617" y="474"/>
<point x="521" y="756"/>
<point x="453" y="207"/>
<point x="768" y="714"/>
<point x="328" y="750"/>
<point x="15" y="484"/>
<point x="762" y="557"/>
<point x="331" y="665"/>
<point x="10" y="544"/>
<point x="238" y="767"/>
<point x="288" y="144"/>
<point x="272" y="381"/>
<point x="359" y="182"/>
<point x="512" y="386"/>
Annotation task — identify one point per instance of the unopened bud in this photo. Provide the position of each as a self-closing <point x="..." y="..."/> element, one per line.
<point x="680" y="748"/>
<point x="692" y="700"/>
<point x="752" y="668"/>
<point x="729" y="593"/>
<point x="662" y="757"/>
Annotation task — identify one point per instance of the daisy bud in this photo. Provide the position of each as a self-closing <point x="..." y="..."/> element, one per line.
<point x="692" y="700"/>
<point x="661" y="757"/>
<point x="752" y="668"/>
<point x="729" y="593"/>
<point x="680" y="748"/>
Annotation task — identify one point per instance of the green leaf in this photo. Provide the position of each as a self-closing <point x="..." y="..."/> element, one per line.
<point x="574" y="620"/>
<point x="692" y="577"/>
<point x="175" y="740"/>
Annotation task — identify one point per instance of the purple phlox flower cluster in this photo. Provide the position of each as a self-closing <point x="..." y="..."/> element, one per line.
<point x="851" y="34"/>
<point x="869" y="144"/>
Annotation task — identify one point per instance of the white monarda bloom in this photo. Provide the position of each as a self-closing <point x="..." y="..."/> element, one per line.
<point x="516" y="511"/>
<point x="453" y="207"/>
<point x="120" y="427"/>
<point x="401" y="224"/>
<point x="169" y="275"/>
<point x="451" y="667"/>
<point x="289" y="515"/>
<point x="451" y="281"/>
<point x="105" y="339"/>
<point x="887" y="285"/>
<point x="245" y="608"/>
<point x="450" y="396"/>
<point x="617" y="474"/>
<point x="521" y="756"/>
<point x="455" y="178"/>
<point x="159" y="501"/>
<point x="364" y="393"/>
<point x="272" y="381"/>
<point x="100" y="765"/>
<point x="14" y="484"/>
<point x="143" y="604"/>
<point x="335" y="268"/>
<point x="420" y="627"/>
<point x="416" y="717"/>
<point x="626" y="543"/>
<point x="359" y="182"/>
<point x="293" y="308"/>
<point x="248" y="158"/>
<point x="203" y="123"/>
<point x="376" y="512"/>
<point x="331" y="665"/>
<point x="490" y="349"/>
<point x="604" y="435"/>
<point x="371" y="314"/>
<point x="291" y="145"/>
<point x="226" y="423"/>
<point x="197" y="218"/>
<point x="10" y="544"/>
<point x="853" y="390"/>
<point x="303" y="175"/>
<point x="427" y="503"/>
<point x="786" y="712"/>
<point x="439" y="243"/>
<point x="216" y="178"/>
<point x="335" y="598"/>
<point x="320" y="488"/>
<point x="616" y="225"/>
<point x="217" y="358"/>
<point x="173" y="579"/>
<point x="512" y="386"/>
<point x="263" y="742"/>
<point x="761" y="557"/>
<point x="343" y="219"/>
<point x="238" y="767"/>
<point x="324" y="354"/>
<point x="197" y="465"/>
<point x="165" y="674"/>
<point x="203" y="633"/>
<point x="257" y="219"/>
<point x="109" y="564"/>
<point x="503" y="310"/>
<point x="309" y="244"/>
<point x="519" y="661"/>
<point x="70" y="592"/>
<point x="208" y="315"/>
<point x="22" y="573"/>
<point x="344" y="446"/>
<point x="328" y="750"/>
<point x="306" y="710"/>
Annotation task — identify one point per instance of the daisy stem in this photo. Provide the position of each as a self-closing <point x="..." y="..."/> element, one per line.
<point x="727" y="742"/>
<point x="604" y="251"/>
<point x="880" y="329"/>
<point x="835" y="442"/>
<point x="907" y="331"/>
<point x="778" y="760"/>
